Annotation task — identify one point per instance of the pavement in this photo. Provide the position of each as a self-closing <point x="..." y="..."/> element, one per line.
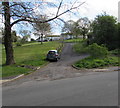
<point x="11" y="79"/>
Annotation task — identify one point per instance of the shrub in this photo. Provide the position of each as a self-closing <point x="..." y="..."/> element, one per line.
<point x="80" y="47"/>
<point x="97" y="51"/>
<point x="18" y="44"/>
<point x="115" y="52"/>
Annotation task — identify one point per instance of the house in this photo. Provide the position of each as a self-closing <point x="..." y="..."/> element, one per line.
<point x="53" y="37"/>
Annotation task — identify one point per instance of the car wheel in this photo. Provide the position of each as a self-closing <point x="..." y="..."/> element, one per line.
<point x="56" y="59"/>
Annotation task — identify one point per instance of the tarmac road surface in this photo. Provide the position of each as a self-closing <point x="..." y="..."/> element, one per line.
<point x="99" y="89"/>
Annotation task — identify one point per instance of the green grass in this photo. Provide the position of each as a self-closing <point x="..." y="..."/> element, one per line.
<point x="32" y="54"/>
<point x="73" y="40"/>
<point x="91" y="62"/>
<point x="80" y="47"/>
<point x="13" y="71"/>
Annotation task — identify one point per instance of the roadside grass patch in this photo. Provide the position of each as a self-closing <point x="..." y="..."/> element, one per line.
<point x="31" y="54"/>
<point x="99" y="56"/>
<point x="8" y="71"/>
<point x="91" y="62"/>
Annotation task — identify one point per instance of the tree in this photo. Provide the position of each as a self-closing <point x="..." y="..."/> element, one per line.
<point x="68" y="28"/>
<point x="42" y="28"/>
<point x="83" y="24"/>
<point x="26" y="35"/>
<point x="24" y="11"/>
<point x="76" y="29"/>
<point x="105" y="30"/>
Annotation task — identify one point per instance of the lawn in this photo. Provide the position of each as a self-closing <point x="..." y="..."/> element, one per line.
<point x="32" y="54"/>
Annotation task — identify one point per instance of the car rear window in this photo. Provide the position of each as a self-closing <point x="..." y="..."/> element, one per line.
<point x="51" y="52"/>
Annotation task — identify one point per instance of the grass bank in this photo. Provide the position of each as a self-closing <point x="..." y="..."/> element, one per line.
<point x="91" y="62"/>
<point x="32" y="54"/>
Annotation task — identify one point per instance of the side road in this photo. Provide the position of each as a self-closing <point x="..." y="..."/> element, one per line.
<point x="58" y="70"/>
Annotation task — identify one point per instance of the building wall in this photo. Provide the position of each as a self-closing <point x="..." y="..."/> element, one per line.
<point x="119" y="11"/>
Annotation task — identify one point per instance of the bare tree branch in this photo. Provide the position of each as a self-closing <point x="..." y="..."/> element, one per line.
<point x="32" y="20"/>
<point x="59" y="7"/>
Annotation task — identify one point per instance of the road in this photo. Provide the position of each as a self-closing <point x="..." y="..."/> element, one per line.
<point x="99" y="89"/>
<point x="76" y="88"/>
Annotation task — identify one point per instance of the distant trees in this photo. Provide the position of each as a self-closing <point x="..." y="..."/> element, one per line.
<point x="26" y="36"/>
<point x="68" y="28"/>
<point x="80" y="27"/>
<point x="42" y="28"/>
<point x="83" y="25"/>
<point x="105" y="31"/>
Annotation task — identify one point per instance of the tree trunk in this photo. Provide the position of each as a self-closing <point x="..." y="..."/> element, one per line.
<point x="7" y="35"/>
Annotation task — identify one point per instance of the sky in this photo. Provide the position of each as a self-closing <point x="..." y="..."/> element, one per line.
<point x="90" y="9"/>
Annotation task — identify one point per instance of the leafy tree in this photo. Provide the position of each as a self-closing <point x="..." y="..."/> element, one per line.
<point x="26" y="36"/>
<point x="42" y="28"/>
<point x="105" y="30"/>
<point x="68" y="27"/>
<point x="24" y="11"/>
<point x="76" y="29"/>
<point x="83" y="25"/>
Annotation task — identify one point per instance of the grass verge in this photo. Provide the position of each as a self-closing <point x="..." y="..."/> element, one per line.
<point x="90" y="62"/>
<point x="95" y="62"/>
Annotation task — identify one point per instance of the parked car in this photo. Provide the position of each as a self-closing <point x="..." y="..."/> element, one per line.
<point x="53" y="55"/>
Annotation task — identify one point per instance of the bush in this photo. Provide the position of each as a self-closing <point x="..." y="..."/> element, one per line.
<point x="80" y="47"/>
<point x="97" y="51"/>
<point x="18" y="44"/>
<point x="115" y="52"/>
